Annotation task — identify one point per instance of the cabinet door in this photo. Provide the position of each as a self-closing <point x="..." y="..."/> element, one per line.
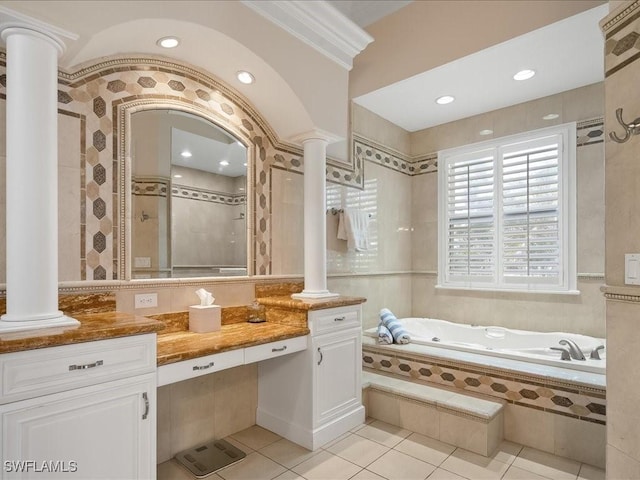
<point x="102" y="431"/>
<point x="337" y="385"/>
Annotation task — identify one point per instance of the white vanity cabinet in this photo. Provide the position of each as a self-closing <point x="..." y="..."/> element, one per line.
<point x="85" y="410"/>
<point x="314" y="396"/>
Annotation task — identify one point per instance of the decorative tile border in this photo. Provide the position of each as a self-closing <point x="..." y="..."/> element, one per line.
<point x="572" y="400"/>
<point x="204" y="195"/>
<point x="622" y="31"/>
<point x="150" y="187"/>
<point x="589" y="132"/>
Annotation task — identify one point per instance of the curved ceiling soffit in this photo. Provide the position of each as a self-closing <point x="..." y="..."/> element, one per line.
<point x="212" y="54"/>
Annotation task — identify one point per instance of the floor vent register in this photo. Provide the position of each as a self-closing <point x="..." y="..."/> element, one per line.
<point x="209" y="458"/>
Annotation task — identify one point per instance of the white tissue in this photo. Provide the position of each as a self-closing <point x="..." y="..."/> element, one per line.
<point x="206" y="298"/>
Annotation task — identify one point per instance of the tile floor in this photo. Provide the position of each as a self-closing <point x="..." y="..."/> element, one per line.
<point x="379" y="451"/>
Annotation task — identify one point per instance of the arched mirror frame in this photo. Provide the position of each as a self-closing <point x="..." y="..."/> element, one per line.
<point x="94" y="95"/>
<point x="124" y="112"/>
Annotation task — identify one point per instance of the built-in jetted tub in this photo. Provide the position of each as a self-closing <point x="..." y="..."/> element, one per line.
<point x="545" y="348"/>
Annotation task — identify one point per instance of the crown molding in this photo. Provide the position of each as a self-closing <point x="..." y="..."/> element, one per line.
<point x="318" y="24"/>
<point x="11" y="19"/>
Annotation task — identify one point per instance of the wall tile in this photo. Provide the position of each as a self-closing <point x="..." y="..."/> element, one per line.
<point x="528" y="426"/>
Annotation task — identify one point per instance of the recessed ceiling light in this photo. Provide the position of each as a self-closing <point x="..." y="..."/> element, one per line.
<point x="168" y="42"/>
<point x="443" y="100"/>
<point x="245" y="77"/>
<point x="485" y="132"/>
<point x="224" y="163"/>
<point x="524" y="75"/>
<point x="177" y="175"/>
<point x="245" y="164"/>
<point x="550" y="116"/>
<point x="186" y="154"/>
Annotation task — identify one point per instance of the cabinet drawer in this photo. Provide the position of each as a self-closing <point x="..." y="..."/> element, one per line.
<point x="176" y="372"/>
<point x="326" y="321"/>
<point x="38" y="372"/>
<point x="274" y="349"/>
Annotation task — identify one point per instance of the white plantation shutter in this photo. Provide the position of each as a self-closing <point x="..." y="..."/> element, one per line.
<point x="507" y="216"/>
<point x="470" y="214"/>
<point x="531" y="216"/>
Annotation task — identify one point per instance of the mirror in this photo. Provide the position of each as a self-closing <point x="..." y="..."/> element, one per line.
<point x="188" y="197"/>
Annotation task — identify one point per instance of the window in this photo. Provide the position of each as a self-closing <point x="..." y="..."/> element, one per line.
<point x="507" y="213"/>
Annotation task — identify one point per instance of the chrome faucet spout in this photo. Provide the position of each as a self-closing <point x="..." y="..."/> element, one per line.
<point x="564" y="353"/>
<point x="574" y="349"/>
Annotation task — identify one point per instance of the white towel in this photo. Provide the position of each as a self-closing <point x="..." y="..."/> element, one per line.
<point x="353" y="226"/>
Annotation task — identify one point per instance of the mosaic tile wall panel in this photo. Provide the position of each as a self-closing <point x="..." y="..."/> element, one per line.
<point x="622" y="34"/>
<point x="104" y="93"/>
<point x="571" y="400"/>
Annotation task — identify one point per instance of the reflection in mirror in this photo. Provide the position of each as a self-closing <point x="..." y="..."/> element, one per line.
<point x="188" y="209"/>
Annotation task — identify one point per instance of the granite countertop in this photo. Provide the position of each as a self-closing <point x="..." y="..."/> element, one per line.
<point x="295" y="304"/>
<point x="93" y="326"/>
<point x="286" y="318"/>
<point x="185" y="345"/>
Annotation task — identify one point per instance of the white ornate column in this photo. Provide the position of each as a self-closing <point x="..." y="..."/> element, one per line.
<point x="31" y="174"/>
<point x="315" y="215"/>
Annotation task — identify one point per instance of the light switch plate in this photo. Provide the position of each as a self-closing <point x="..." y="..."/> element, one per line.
<point x="632" y="268"/>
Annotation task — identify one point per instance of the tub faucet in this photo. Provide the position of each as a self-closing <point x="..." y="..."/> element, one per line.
<point x="594" y="353"/>
<point x="564" y="353"/>
<point x="574" y="349"/>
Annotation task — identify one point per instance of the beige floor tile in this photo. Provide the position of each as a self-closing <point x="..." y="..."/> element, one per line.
<point x="395" y="465"/>
<point x="245" y="448"/>
<point x="515" y="473"/>
<point x="287" y="453"/>
<point x="472" y="465"/>
<point x="507" y="452"/>
<point x="326" y="466"/>
<point x="328" y="445"/>
<point x="440" y="474"/>
<point x="546" y="464"/>
<point x="289" y="475"/>
<point x="383" y="433"/>
<point x="587" y="472"/>
<point x="365" y="474"/>
<point x="255" y="437"/>
<point x="358" y="450"/>
<point x="426" y="449"/>
<point x="253" y="467"/>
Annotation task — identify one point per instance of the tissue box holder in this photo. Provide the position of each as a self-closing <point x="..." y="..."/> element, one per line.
<point x="203" y="319"/>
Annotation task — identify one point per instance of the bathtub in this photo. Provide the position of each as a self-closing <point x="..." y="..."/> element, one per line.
<point x="499" y="342"/>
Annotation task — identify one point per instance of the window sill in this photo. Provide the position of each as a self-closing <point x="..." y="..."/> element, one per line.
<point x="509" y="290"/>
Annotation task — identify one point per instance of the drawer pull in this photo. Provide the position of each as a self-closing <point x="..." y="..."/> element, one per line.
<point x="203" y="367"/>
<point x="145" y="397"/>
<point x="339" y="319"/>
<point x="86" y="366"/>
<point x="321" y="356"/>
<point x="281" y="349"/>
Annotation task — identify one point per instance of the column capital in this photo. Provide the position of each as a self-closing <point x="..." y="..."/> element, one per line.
<point x="13" y="22"/>
<point x="316" y="134"/>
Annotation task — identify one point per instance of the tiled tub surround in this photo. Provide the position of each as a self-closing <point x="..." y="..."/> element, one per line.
<point x="553" y="410"/>
<point x="473" y="423"/>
